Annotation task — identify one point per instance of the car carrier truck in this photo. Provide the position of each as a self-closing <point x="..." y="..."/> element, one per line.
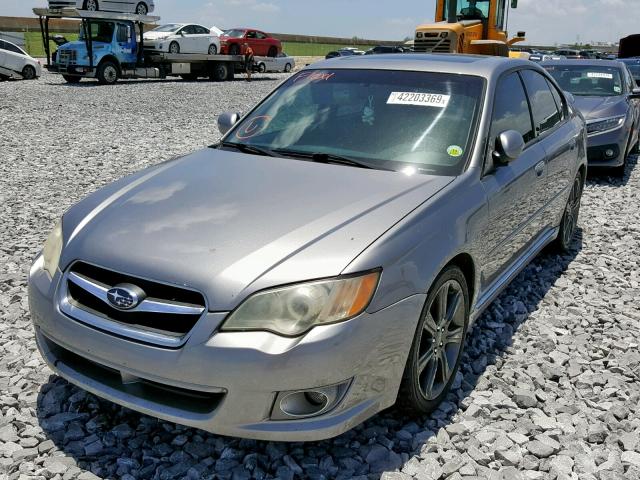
<point x="111" y="47"/>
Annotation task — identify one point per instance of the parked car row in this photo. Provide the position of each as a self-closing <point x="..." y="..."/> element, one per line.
<point x="377" y="50"/>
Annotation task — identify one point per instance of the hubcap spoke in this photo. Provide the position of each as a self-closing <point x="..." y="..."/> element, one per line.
<point x="431" y="378"/>
<point x="444" y="363"/>
<point x="424" y="360"/>
<point x="430" y="325"/>
<point x="454" y="336"/>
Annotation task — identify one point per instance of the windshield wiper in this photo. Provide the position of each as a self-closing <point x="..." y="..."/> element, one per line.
<point x="329" y="158"/>
<point x="244" y="148"/>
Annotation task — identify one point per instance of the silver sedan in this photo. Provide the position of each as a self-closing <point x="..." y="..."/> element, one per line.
<point x="326" y="259"/>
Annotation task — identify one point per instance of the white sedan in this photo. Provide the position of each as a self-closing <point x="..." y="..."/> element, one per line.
<point x="139" y="7"/>
<point x="281" y="63"/>
<point x="182" y="38"/>
<point x="16" y="63"/>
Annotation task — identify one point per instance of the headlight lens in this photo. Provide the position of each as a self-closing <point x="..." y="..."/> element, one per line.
<point x="605" y="124"/>
<point x="294" y="310"/>
<point x="53" y="249"/>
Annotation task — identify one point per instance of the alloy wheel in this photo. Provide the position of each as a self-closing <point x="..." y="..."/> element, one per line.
<point x="174" y="48"/>
<point x="213" y="50"/>
<point x="110" y="74"/>
<point x="441" y="340"/>
<point x="142" y="9"/>
<point x="91" y="5"/>
<point x="572" y="211"/>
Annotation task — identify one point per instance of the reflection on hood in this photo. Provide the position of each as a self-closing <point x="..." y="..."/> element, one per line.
<point x="601" y="107"/>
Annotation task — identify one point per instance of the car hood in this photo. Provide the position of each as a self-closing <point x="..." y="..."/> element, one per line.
<point x="228" y="224"/>
<point x="601" y="107"/>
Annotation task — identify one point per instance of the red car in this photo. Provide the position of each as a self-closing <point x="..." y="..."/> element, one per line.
<point x="232" y="42"/>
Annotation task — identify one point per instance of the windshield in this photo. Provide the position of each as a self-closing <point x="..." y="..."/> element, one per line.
<point x="170" y="27"/>
<point x="390" y="120"/>
<point x="234" y="33"/>
<point x="588" y="81"/>
<point x="469" y="9"/>
<point x="100" y="32"/>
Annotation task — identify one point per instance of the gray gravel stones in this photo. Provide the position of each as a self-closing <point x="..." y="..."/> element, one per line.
<point x="549" y="386"/>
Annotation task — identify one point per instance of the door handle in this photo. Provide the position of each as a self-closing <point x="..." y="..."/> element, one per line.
<point x="539" y="168"/>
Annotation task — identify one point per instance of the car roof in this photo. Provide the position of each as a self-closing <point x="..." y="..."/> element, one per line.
<point x="479" y="65"/>
<point x="586" y="63"/>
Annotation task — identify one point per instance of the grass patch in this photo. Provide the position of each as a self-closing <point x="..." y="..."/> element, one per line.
<point x="35" y="48"/>
<point x="299" y="49"/>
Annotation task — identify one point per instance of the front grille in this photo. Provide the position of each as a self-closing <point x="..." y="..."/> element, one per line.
<point x="167" y="310"/>
<point x="429" y="44"/>
<point x="184" y="399"/>
<point x="67" y="57"/>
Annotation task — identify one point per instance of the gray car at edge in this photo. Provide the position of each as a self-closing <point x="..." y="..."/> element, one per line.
<point x="326" y="259"/>
<point x="607" y="96"/>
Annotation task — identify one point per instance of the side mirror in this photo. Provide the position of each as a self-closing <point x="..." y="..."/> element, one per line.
<point x="509" y="146"/>
<point x="226" y="121"/>
<point x="635" y="94"/>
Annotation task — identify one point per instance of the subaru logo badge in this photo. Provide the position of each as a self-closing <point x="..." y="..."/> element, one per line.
<point x="125" y="296"/>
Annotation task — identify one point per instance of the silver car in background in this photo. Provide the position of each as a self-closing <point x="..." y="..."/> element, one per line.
<point x="606" y="94"/>
<point x="323" y="261"/>
<point x="139" y="7"/>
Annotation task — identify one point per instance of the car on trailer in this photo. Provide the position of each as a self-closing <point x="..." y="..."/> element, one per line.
<point x="17" y="64"/>
<point x="139" y="7"/>
<point x="111" y="47"/>
<point x="182" y="38"/>
<point x="262" y="44"/>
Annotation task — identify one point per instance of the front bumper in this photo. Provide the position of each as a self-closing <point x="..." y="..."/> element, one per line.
<point x="152" y="46"/>
<point x="226" y="383"/>
<point x="617" y="141"/>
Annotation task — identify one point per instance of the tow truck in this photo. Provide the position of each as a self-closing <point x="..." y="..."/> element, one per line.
<point x="468" y="26"/>
<point x="111" y="47"/>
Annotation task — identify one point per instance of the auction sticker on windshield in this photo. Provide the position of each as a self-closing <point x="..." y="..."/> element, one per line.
<point x="600" y="75"/>
<point x="419" y="99"/>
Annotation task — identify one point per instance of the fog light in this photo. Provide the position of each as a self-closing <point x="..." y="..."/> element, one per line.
<point x="609" y="153"/>
<point x="308" y="403"/>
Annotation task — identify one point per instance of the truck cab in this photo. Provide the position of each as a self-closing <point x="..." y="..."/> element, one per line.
<point x="102" y="42"/>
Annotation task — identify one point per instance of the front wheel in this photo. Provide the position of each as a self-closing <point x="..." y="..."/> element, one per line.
<point x="213" y="50"/>
<point x="262" y="68"/>
<point x="28" y="72"/>
<point x="142" y="9"/>
<point x="174" y="47"/>
<point x="108" y="73"/>
<point x="437" y="347"/>
<point x="570" y="216"/>
<point x="91" y="5"/>
<point x="287" y="68"/>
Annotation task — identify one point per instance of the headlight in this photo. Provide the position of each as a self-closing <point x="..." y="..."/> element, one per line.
<point x="294" y="310"/>
<point x="595" y="127"/>
<point x="53" y="249"/>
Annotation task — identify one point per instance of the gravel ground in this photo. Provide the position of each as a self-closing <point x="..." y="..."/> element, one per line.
<point x="550" y="383"/>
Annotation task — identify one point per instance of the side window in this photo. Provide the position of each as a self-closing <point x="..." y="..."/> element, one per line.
<point x="123" y="34"/>
<point x="189" y="30"/>
<point x="511" y="109"/>
<point x="560" y="103"/>
<point x="202" y="31"/>
<point x="260" y="35"/>
<point x="13" y="48"/>
<point x="251" y="34"/>
<point x="545" y="112"/>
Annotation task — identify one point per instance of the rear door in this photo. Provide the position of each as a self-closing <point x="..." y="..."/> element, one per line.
<point x="202" y="38"/>
<point x="3" y="54"/>
<point x="559" y="140"/>
<point x="513" y="190"/>
<point x="188" y="42"/>
<point x="14" y="59"/>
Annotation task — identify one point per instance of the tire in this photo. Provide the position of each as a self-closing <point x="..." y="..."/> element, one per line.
<point x="91" y="5"/>
<point x="287" y="68"/>
<point x="142" y="9"/>
<point x="213" y="49"/>
<point x="28" y="72"/>
<point x="108" y="73"/>
<point x="71" y="79"/>
<point x="570" y="216"/>
<point x="220" y="72"/>
<point x="174" y="48"/>
<point x="438" y="343"/>
<point x="234" y="49"/>
<point x="262" y="68"/>
<point x="273" y="52"/>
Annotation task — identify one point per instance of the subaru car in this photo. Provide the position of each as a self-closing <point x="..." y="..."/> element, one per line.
<point x="607" y="95"/>
<point x="326" y="258"/>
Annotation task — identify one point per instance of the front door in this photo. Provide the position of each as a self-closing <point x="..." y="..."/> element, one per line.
<point x="126" y="44"/>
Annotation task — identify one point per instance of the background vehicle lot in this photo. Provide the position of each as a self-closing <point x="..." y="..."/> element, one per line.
<point x="565" y="332"/>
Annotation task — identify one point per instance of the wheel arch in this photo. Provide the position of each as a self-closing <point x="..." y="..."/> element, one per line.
<point x="110" y="58"/>
<point x="466" y="264"/>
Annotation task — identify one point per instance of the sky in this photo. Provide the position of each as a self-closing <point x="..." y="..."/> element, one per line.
<point x="547" y="22"/>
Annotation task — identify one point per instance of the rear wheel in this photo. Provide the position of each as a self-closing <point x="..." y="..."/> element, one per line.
<point x="108" y="73"/>
<point x="142" y="9"/>
<point x="273" y="52"/>
<point x="220" y="72"/>
<point x="213" y="50"/>
<point x="71" y="79"/>
<point x="262" y="68"/>
<point x="287" y="68"/>
<point x="91" y="5"/>
<point x="174" y="47"/>
<point x="570" y="216"/>
<point x="437" y="347"/>
<point x="234" y="49"/>
<point x="28" y="72"/>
